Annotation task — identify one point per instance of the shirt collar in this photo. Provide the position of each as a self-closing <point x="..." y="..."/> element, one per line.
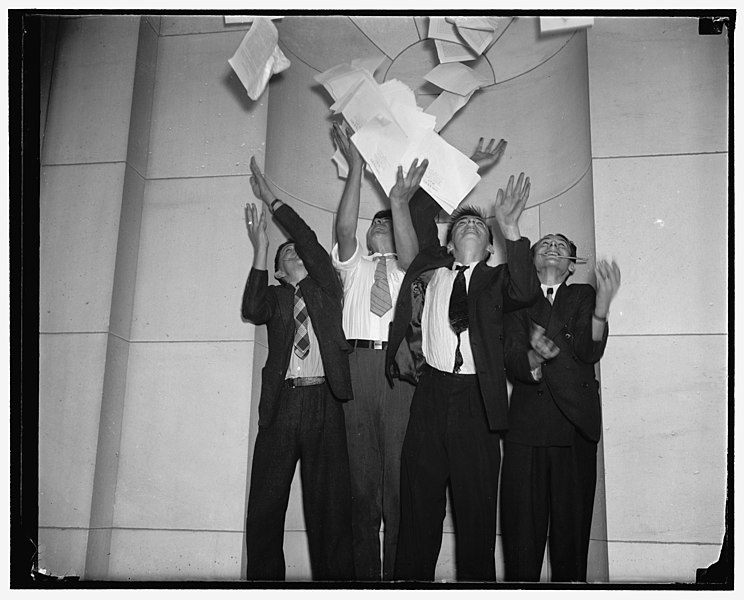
<point x="459" y="264"/>
<point x="555" y="287"/>
<point x="375" y="255"/>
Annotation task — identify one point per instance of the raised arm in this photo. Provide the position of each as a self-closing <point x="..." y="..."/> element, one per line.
<point x="308" y="248"/>
<point x="510" y="204"/>
<point x="348" y="209"/>
<point x="406" y="240"/>
<point x="608" y="282"/>
<point x="255" y="306"/>
<point x="522" y="286"/>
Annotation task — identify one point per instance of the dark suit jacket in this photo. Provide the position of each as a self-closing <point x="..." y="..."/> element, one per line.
<point x="274" y="305"/>
<point x="544" y="413"/>
<point x="492" y="291"/>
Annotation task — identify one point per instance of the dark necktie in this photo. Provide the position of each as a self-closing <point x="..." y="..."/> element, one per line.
<point x="549" y="295"/>
<point x="301" y="338"/>
<point x="458" y="311"/>
<point x="380" y="301"/>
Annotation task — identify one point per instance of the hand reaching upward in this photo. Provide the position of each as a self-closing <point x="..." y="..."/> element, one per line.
<point x="487" y="157"/>
<point x="510" y="204"/>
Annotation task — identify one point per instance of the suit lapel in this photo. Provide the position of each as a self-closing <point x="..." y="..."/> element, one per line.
<point x="540" y="312"/>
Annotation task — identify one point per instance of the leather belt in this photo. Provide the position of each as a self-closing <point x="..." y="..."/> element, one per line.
<point x="374" y="344"/>
<point x="295" y="382"/>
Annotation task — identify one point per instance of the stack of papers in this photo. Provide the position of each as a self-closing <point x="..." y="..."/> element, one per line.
<point x="391" y="130"/>
<point x="258" y="57"/>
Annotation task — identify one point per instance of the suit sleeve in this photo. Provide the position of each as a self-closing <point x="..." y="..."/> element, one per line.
<point x="317" y="261"/>
<point x="258" y="304"/>
<point x="522" y="284"/>
<point x="424" y="210"/>
<point x="517" y="345"/>
<point x="585" y="348"/>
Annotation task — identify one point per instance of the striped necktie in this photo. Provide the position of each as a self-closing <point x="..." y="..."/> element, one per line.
<point x="458" y="311"/>
<point x="380" y="301"/>
<point x="302" y="337"/>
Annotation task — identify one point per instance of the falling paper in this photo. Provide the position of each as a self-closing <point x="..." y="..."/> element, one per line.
<point x="445" y="106"/>
<point x="258" y="57"/>
<point x="369" y="63"/>
<point x="452" y="52"/>
<point x="391" y="130"/>
<point x="449" y="44"/>
<point x="456" y="78"/>
<point x="477" y="32"/>
<point x="241" y="19"/>
<point x="548" y="24"/>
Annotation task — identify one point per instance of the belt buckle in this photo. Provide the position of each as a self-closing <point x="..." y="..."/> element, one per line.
<point x="377" y="345"/>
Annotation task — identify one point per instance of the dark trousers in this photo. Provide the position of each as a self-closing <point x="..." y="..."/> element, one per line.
<point x="376" y="421"/>
<point x="309" y="427"/>
<point x="448" y="441"/>
<point x="547" y="489"/>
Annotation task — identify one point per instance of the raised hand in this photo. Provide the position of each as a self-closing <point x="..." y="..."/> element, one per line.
<point x="342" y="138"/>
<point x="406" y="186"/>
<point x="542" y="344"/>
<point x="258" y="184"/>
<point x="510" y="204"/>
<point x="256" y="225"/>
<point x="487" y="157"/>
<point x="608" y="283"/>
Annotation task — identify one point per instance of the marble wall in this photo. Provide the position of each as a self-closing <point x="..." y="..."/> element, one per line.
<point x="659" y="144"/>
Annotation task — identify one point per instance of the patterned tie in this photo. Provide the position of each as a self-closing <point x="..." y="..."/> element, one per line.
<point x="301" y="338"/>
<point x="380" y="301"/>
<point x="549" y="295"/>
<point x="458" y="311"/>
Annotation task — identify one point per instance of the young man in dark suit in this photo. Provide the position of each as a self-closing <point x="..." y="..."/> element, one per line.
<point x="451" y="343"/>
<point x="550" y="451"/>
<point x="304" y="382"/>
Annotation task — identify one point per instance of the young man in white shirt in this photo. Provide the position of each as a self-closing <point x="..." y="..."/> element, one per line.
<point x="460" y="404"/>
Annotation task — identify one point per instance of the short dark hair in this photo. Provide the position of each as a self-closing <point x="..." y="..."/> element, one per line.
<point x="278" y="252"/>
<point x="571" y="248"/>
<point x="383" y="214"/>
<point x="467" y="210"/>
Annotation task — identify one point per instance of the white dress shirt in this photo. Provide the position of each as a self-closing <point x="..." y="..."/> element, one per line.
<point x="439" y="340"/>
<point x="554" y="286"/>
<point x="358" y="275"/>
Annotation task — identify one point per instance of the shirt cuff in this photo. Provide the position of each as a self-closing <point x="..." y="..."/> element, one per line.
<point x="350" y="262"/>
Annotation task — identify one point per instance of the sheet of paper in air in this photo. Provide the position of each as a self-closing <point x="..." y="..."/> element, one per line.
<point x="450" y="175"/>
<point x="231" y="20"/>
<point x="339" y="79"/>
<point x="361" y="103"/>
<point x="445" y="106"/>
<point x="384" y="145"/>
<point x="564" y="23"/>
<point x="456" y="78"/>
<point x="450" y="46"/>
<point x="382" y="142"/>
<point x="258" y="57"/>
<point x="390" y="129"/>
<point x="397" y="92"/>
<point x="368" y="63"/>
<point x="477" y="32"/>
